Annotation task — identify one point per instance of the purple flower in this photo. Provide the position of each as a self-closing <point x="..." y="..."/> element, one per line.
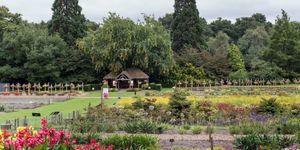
<point x="259" y="117"/>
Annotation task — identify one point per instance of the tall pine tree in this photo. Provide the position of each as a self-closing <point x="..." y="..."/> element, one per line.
<point x="68" y="21"/>
<point x="71" y="25"/>
<point x="186" y="27"/>
<point x="284" y="51"/>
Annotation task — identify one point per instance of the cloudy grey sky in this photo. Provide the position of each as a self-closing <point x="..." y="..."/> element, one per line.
<point x="37" y="10"/>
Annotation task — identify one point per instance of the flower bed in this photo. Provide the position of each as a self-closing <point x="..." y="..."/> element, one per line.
<point x="45" y="138"/>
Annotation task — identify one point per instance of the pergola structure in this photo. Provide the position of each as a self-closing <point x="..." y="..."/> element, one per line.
<point x="129" y="78"/>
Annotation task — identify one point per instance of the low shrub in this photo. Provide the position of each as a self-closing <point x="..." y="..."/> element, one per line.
<point x="287" y="128"/>
<point x="186" y="127"/>
<point x="246" y="129"/>
<point x="182" y="131"/>
<point x="131" y="142"/>
<point x="142" y="126"/>
<point x="196" y="130"/>
<point x="269" y="106"/>
<point x="234" y="130"/>
<point x="90" y="87"/>
<point x="157" y="87"/>
<point x="133" y="90"/>
<point x="253" y="142"/>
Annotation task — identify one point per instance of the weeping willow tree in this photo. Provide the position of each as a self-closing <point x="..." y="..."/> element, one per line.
<point x="120" y="43"/>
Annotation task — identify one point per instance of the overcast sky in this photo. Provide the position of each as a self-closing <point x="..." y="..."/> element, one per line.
<point x="38" y="10"/>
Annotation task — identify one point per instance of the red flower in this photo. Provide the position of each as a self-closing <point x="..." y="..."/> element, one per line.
<point x="93" y="141"/>
<point x="44" y="123"/>
<point x="6" y="134"/>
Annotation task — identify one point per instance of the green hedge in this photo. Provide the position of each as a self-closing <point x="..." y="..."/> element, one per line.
<point x="157" y="87"/>
<point x="89" y="87"/>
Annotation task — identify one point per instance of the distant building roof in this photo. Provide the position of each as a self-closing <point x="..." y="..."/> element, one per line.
<point x="131" y="73"/>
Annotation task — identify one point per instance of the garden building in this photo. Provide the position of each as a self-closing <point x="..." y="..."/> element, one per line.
<point x="129" y="78"/>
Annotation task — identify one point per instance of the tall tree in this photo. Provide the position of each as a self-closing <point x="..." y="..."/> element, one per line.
<point x="224" y="26"/>
<point x="245" y="23"/>
<point x="187" y="31"/>
<point x="68" y="21"/>
<point x="236" y="62"/>
<point x="252" y="45"/>
<point x="121" y="43"/>
<point x="214" y="60"/>
<point x="8" y="20"/>
<point x="235" y="58"/>
<point x="30" y="54"/>
<point x="284" y="47"/>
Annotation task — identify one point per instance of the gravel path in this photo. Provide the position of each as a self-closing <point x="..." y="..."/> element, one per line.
<point x="191" y="141"/>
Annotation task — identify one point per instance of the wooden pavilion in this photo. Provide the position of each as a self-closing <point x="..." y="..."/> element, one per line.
<point x="129" y="78"/>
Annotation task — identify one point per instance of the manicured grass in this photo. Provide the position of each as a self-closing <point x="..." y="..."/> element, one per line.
<point x="67" y="107"/>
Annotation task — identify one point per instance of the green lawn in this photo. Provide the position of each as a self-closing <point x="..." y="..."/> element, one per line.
<point x="76" y="104"/>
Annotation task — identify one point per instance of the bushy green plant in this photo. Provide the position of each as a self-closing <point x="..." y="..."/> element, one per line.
<point x="182" y="131"/>
<point x="196" y="129"/>
<point x="179" y="105"/>
<point x="131" y="142"/>
<point x="85" y="138"/>
<point x="253" y="142"/>
<point x="157" y="87"/>
<point x="186" y="127"/>
<point x="287" y="128"/>
<point x="269" y="106"/>
<point x="206" y="109"/>
<point x="246" y="129"/>
<point x="234" y="130"/>
<point x="297" y="135"/>
<point x="142" y="126"/>
<point x="91" y="87"/>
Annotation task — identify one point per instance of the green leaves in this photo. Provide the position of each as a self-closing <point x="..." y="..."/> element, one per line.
<point x="284" y="47"/>
<point x="187" y="31"/>
<point x="235" y="58"/>
<point x="119" y="43"/>
<point x="30" y="54"/>
<point x="68" y="21"/>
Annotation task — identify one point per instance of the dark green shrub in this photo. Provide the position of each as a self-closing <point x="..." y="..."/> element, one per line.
<point x="157" y="87"/>
<point x="287" y="128"/>
<point x="90" y="87"/>
<point x="269" y="106"/>
<point x="250" y="142"/>
<point x="131" y="142"/>
<point x="253" y="142"/>
<point x="179" y="105"/>
<point x="133" y="90"/>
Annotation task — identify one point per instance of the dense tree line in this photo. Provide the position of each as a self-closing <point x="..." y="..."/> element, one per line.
<point x="181" y="46"/>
